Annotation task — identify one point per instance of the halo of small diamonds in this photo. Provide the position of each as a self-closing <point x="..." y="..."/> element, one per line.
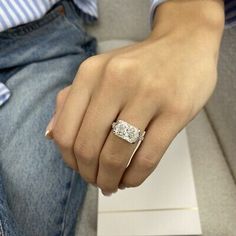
<point x="127" y="131"/>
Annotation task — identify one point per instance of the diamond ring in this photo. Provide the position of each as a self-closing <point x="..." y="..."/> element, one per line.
<point x="127" y="131"/>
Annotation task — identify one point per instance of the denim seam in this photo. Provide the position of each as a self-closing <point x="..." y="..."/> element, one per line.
<point x="66" y="206"/>
<point x="1" y="229"/>
<point x="22" y="30"/>
<point x="74" y="17"/>
<point x="71" y="16"/>
<point x="75" y="27"/>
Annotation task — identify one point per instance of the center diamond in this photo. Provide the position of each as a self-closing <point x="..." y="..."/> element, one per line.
<point x="126" y="131"/>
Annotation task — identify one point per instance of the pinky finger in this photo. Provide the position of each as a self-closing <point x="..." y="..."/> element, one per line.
<point x="160" y="134"/>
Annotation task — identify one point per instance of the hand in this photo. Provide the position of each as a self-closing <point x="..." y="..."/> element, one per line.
<point x="158" y="85"/>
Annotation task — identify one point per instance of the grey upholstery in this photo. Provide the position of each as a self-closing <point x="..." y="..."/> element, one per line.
<point x="215" y="186"/>
<point x="212" y="137"/>
<point x="122" y="20"/>
<point x="222" y="106"/>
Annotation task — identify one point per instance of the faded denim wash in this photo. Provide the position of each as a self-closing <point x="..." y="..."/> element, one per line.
<point x="39" y="194"/>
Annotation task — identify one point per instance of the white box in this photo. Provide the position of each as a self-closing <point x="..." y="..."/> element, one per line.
<point x="165" y="204"/>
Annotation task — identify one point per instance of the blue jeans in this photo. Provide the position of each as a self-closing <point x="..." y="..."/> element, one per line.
<point x="39" y="194"/>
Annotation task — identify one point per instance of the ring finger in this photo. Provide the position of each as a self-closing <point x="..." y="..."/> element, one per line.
<point x="116" y="152"/>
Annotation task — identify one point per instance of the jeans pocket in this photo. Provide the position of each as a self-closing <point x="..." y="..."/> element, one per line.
<point x="73" y="16"/>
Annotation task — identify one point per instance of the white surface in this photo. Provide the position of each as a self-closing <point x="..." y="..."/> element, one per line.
<point x="165" y="204"/>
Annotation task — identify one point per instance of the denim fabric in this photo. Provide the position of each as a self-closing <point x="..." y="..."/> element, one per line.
<point x="39" y="194"/>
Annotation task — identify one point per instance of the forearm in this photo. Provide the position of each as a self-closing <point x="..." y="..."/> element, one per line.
<point x="203" y="18"/>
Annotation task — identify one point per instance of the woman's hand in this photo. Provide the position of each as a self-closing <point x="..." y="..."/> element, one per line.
<point x="157" y="85"/>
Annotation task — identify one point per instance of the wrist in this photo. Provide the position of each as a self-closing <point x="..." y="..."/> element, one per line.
<point x="203" y="19"/>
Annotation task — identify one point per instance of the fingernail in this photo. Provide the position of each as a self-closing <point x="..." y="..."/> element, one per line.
<point x="48" y="132"/>
<point x="106" y="194"/>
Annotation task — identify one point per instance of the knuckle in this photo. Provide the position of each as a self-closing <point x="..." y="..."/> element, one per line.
<point x="60" y="97"/>
<point x="119" y="69"/>
<point x="85" y="65"/>
<point x="82" y="153"/>
<point x="112" y="161"/>
<point x="148" y="163"/>
<point x="63" y="141"/>
<point x="88" y="65"/>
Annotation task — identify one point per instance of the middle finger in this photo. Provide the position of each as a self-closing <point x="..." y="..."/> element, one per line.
<point x="94" y="130"/>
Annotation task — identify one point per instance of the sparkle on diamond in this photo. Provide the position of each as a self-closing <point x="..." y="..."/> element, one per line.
<point x="126" y="131"/>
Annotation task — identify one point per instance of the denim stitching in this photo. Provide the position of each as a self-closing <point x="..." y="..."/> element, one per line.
<point x="31" y="26"/>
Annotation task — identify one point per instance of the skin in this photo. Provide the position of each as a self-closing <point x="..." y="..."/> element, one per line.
<point x="158" y="85"/>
